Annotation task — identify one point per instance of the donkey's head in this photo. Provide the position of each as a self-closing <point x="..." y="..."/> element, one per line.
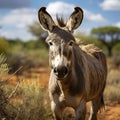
<point x="60" y="40"/>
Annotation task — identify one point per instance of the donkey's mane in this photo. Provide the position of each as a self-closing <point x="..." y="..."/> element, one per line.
<point x="60" y="21"/>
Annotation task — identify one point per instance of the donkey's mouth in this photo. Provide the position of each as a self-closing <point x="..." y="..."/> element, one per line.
<point x="61" y="77"/>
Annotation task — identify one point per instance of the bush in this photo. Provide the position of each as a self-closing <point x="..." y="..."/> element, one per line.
<point x="18" y="60"/>
<point x="116" y="60"/>
<point x="89" y="39"/>
<point x="26" y="55"/>
<point x="35" y="44"/>
<point x="3" y="46"/>
<point x="3" y="66"/>
<point x="5" y="113"/>
<point x="116" y="47"/>
<point x="35" y="105"/>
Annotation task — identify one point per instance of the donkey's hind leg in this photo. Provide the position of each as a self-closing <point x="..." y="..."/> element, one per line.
<point x="96" y="104"/>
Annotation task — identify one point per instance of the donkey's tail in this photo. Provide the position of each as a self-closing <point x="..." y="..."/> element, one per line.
<point x="102" y="104"/>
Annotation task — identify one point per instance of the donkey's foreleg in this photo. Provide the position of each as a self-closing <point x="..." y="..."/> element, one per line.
<point x="57" y="111"/>
<point x="93" y="110"/>
<point x="81" y="111"/>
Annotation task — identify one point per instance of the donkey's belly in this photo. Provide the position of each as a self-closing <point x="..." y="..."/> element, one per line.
<point x="95" y="91"/>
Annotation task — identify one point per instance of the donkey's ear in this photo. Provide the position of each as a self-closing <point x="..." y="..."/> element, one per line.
<point x="75" y="19"/>
<point x="45" y="19"/>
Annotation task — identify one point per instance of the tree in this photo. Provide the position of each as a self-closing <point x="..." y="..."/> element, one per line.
<point x="38" y="32"/>
<point x="109" y="36"/>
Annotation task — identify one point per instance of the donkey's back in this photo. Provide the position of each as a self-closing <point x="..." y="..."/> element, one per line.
<point x="97" y="53"/>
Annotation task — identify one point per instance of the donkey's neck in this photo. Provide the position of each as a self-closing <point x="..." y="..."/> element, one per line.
<point x="78" y="70"/>
<point x="78" y="59"/>
<point x="74" y="82"/>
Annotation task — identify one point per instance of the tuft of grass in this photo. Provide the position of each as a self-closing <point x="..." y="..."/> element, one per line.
<point x="113" y="86"/>
<point x="3" y="66"/>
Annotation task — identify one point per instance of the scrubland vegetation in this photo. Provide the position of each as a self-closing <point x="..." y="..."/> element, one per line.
<point x="22" y="93"/>
<point x="112" y="93"/>
<point x="22" y="99"/>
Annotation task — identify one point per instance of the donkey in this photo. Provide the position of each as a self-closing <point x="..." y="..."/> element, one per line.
<point x="78" y="72"/>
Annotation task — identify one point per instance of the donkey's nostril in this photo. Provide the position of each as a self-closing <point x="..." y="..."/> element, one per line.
<point x="55" y="70"/>
<point x="60" y="71"/>
<point x="64" y="70"/>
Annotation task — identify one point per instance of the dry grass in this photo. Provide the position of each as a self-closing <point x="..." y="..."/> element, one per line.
<point x="112" y="91"/>
<point x="35" y="104"/>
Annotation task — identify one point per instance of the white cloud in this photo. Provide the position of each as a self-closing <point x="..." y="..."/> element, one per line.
<point x="16" y="33"/>
<point x="117" y="24"/>
<point x="60" y="8"/>
<point x="19" y="18"/>
<point x="110" y="5"/>
<point x="14" y="24"/>
<point x="98" y="18"/>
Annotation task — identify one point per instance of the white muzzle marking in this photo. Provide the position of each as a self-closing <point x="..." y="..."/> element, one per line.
<point x="60" y="60"/>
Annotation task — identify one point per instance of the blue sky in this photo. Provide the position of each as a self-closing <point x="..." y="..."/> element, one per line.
<point x="16" y="15"/>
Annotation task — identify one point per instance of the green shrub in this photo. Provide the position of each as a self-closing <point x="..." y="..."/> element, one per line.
<point x="27" y="59"/>
<point x="4" y="45"/>
<point x="26" y="55"/>
<point x="17" y="60"/>
<point x="35" y="44"/>
<point x="116" y="47"/>
<point x="88" y="39"/>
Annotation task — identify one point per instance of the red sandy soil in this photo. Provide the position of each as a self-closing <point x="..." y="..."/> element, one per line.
<point x="112" y="112"/>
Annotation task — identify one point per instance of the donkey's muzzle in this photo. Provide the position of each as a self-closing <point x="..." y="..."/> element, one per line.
<point x="61" y="71"/>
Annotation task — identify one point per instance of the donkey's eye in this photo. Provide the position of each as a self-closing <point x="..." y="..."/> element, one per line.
<point x="50" y="43"/>
<point x="71" y="43"/>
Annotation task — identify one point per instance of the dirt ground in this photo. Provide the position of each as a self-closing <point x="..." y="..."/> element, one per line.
<point x="111" y="112"/>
